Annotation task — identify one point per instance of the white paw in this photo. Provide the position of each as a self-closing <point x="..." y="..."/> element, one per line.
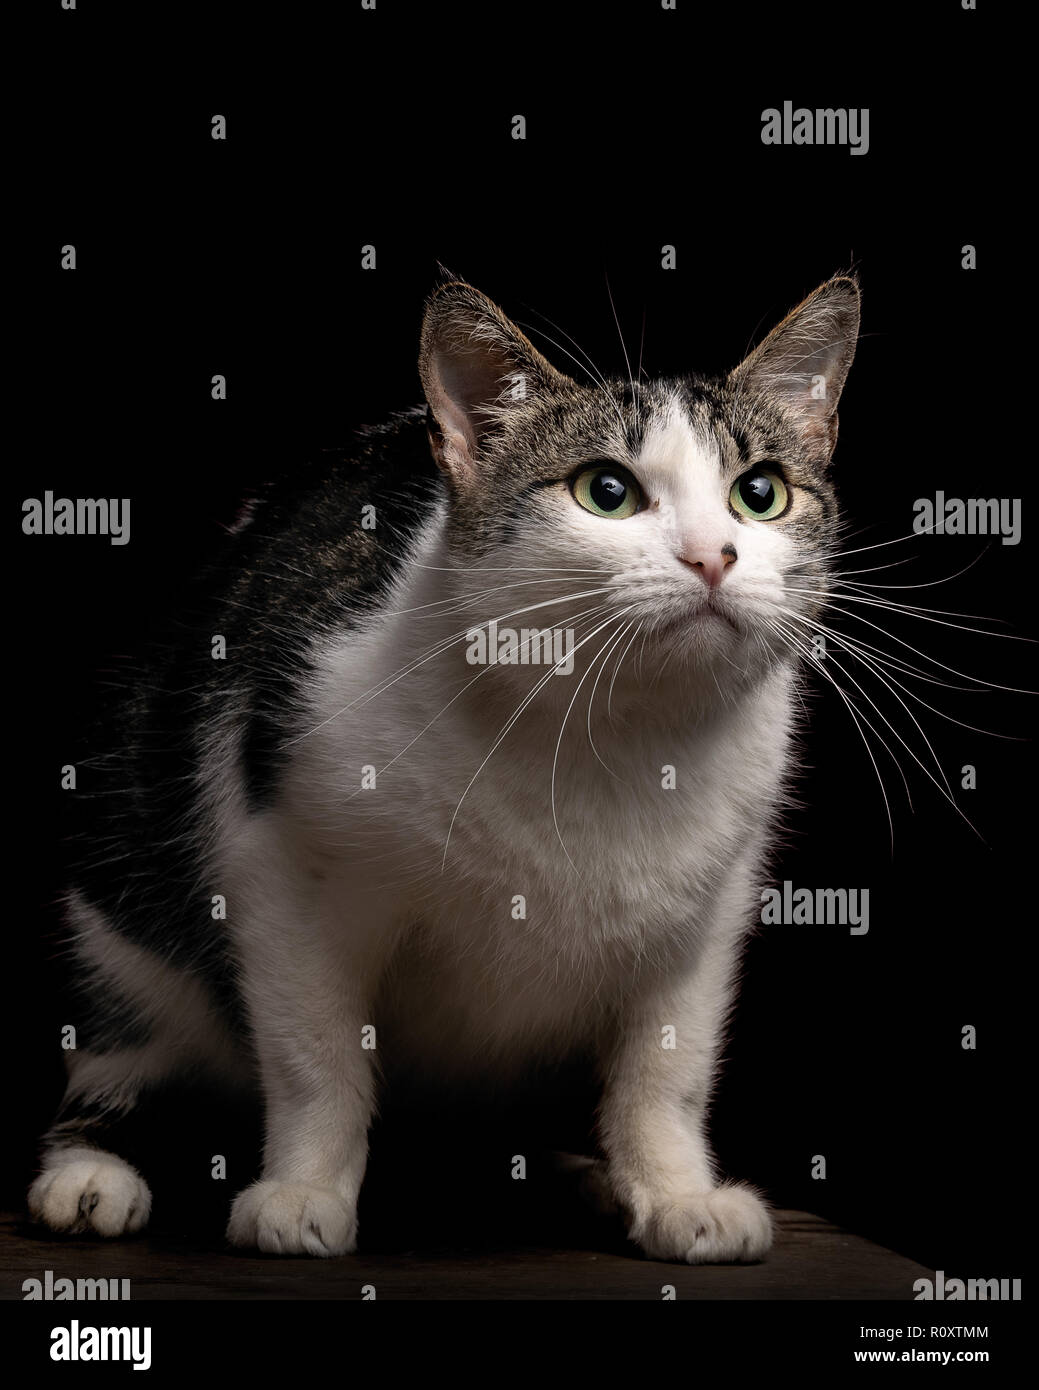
<point x="293" y="1218"/>
<point x="728" y="1225"/>
<point x="83" y="1189"/>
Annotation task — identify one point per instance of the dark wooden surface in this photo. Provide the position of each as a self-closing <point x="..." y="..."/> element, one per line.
<point x="812" y="1259"/>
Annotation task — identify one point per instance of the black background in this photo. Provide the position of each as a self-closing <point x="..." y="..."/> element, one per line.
<point x="392" y="128"/>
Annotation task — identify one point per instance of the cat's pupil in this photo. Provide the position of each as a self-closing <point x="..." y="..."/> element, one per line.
<point x="758" y="492"/>
<point x="607" y="492"/>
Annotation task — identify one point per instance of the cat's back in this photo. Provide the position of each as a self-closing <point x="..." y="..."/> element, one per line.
<point x="215" y="698"/>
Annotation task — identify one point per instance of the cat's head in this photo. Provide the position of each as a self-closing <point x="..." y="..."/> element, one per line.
<point x="699" y="512"/>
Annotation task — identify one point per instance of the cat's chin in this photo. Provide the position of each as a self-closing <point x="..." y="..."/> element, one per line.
<point x="705" y="632"/>
<point x="710" y="618"/>
<point x="711" y="651"/>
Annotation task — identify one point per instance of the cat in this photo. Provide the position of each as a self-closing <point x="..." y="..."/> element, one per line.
<point x="332" y="849"/>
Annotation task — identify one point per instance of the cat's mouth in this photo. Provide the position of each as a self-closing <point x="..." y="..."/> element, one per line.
<point x="710" y="613"/>
<point x="707" y="616"/>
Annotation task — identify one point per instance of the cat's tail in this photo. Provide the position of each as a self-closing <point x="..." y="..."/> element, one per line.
<point x="140" y="1024"/>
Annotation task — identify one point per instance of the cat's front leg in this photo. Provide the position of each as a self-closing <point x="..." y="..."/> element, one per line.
<point x="308" y="981"/>
<point x="653" y="1123"/>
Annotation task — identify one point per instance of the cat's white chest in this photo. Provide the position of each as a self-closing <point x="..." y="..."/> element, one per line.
<point x="530" y="896"/>
<point x="527" y="883"/>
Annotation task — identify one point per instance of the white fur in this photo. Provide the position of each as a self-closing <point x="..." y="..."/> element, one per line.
<point x="285" y="1218"/>
<point x="84" y="1189"/>
<point x="354" y="907"/>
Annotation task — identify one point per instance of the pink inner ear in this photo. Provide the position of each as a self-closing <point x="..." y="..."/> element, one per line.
<point x="815" y="414"/>
<point x="454" y="397"/>
<point x="801" y="388"/>
<point x="465" y="382"/>
<point x="473" y="380"/>
<point x="450" y="410"/>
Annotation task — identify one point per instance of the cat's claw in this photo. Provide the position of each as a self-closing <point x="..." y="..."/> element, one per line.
<point x="728" y="1225"/>
<point x="83" y="1190"/>
<point x="292" y="1218"/>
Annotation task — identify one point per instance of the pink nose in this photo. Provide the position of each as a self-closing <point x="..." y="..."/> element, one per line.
<point x="711" y="565"/>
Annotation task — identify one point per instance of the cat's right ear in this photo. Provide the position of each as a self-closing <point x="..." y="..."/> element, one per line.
<point x="475" y="367"/>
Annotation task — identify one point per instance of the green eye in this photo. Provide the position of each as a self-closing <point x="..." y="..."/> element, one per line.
<point x="607" y="490"/>
<point x="759" y="494"/>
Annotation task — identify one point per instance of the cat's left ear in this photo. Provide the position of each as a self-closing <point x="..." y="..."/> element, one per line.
<point x="475" y="367"/>
<point x="803" y="363"/>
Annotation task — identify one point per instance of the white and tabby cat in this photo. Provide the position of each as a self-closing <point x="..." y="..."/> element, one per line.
<point x="494" y="864"/>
